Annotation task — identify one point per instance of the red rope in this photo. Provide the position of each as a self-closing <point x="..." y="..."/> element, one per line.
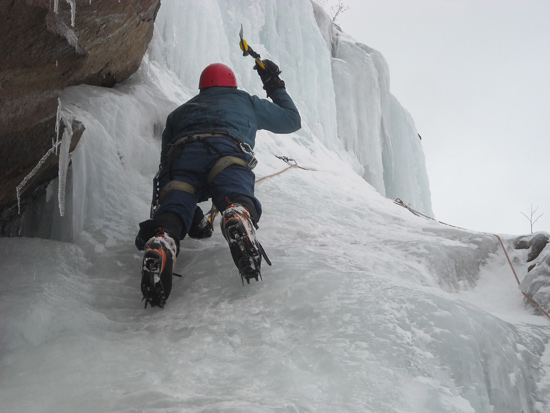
<point x="401" y="203"/>
<point x="275" y="174"/>
<point x="517" y="279"/>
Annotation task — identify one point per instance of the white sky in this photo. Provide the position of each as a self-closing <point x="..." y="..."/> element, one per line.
<point x="475" y="76"/>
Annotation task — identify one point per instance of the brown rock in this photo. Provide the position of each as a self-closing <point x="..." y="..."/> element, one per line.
<point x="41" y="53"/>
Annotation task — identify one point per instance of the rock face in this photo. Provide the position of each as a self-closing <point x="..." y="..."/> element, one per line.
<point x="47" y="45"/>
<point x="536" y="283"/>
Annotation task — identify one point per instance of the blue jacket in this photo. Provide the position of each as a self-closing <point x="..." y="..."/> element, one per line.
<point x="233" y="112"/>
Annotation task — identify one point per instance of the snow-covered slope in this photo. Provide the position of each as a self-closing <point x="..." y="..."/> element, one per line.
<point x="367" y="308"/>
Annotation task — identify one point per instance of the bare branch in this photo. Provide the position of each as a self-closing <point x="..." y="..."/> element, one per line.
<point x="537" y="218"/>
<point x="532" y="220"/>
<point x="335" y="9"/>
<point x="339" y="9"/>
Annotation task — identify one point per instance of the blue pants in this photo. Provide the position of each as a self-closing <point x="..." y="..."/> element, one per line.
<point x="191" y="164"/>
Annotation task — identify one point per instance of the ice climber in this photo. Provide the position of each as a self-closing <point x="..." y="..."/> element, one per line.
<point x="207" y="153"/>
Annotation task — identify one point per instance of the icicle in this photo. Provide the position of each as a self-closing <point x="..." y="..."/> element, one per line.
<point x="64" y="164"/>
<point x="57" y="121"/>
<point x="29" y="176"/>
<point x="64" y="144"/>
<point x="72" y="3"/>
<point x="73" y="10"/>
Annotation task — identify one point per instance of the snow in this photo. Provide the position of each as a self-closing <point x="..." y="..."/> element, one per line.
<point x="367" y="307"/>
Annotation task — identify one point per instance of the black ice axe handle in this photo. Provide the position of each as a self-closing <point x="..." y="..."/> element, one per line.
<point x="247" y="50"/>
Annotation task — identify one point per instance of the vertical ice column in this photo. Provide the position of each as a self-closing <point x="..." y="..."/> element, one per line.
<point x="64" y="160"/>
<point x="63" y="147"/>
<point x="72" y="3"/>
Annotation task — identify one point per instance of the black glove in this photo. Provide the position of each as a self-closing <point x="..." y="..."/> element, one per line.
<point x="270" y="76"/>
<point x="200" y="227"/>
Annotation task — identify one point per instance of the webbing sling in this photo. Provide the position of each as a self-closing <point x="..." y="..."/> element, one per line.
<point x="223" y="163"/>
<point x="176" y="186"/>
<point x="198" y="137"/>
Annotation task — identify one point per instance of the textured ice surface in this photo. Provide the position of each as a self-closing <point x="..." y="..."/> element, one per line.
<point x="367" y="308"/>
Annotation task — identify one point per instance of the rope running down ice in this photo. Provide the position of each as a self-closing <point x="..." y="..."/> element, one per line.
<point x="288" y="161"/>
<point x="417" y="213"/>
<point x="292" y="164"/>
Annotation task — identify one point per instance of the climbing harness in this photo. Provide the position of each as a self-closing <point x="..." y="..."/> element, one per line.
<point x="224" y="162"/>
<point x="250" y="263"/>
<point x="530" y="299"/>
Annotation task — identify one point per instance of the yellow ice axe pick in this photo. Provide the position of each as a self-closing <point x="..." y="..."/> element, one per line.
<point x="247" y="50"/>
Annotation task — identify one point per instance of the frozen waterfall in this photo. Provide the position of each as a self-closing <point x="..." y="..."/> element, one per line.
<point x="367" y="308"/>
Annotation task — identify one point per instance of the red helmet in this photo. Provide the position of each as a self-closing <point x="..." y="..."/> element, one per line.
<point x="217" y="74"/>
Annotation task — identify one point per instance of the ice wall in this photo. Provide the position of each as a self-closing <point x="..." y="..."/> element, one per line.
<point x="367" y="308"/>
<point x="372" y="124"/>
<point x="284" y="31"/>
<point x="340" y="86"/>
<point x="404" y="163"/>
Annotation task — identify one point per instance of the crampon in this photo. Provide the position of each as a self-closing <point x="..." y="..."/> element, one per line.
<point x="246" y="251"/>
<point x="151" y="287"/>
<point x="156" y="271"/>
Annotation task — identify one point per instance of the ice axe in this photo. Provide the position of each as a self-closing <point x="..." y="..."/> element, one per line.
<point x="247" y="50"/>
